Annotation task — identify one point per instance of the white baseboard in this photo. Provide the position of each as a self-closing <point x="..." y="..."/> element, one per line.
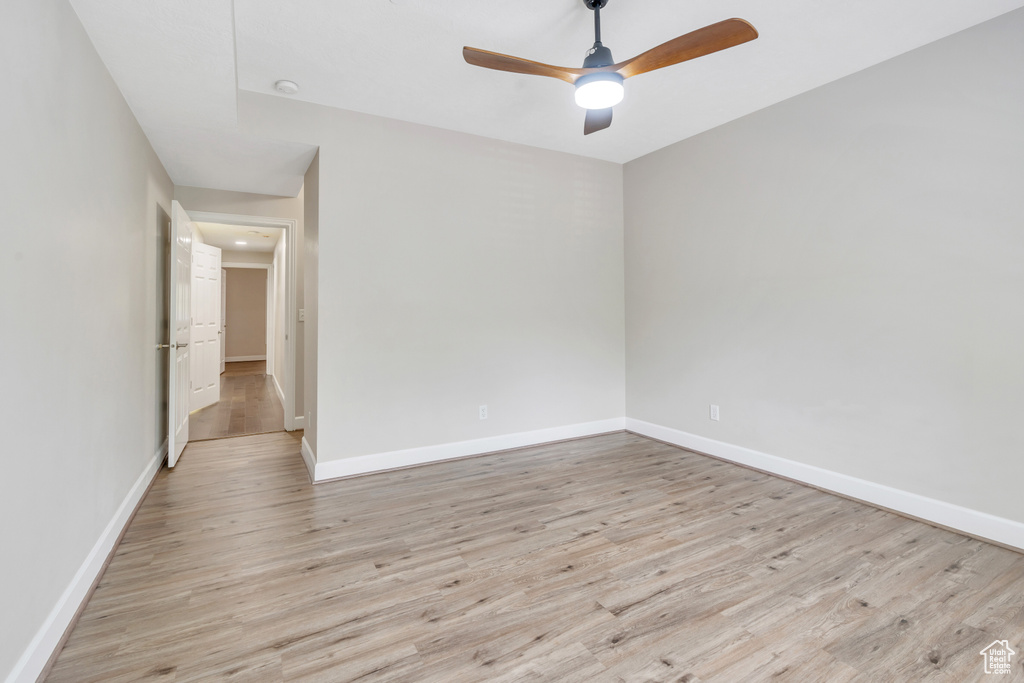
<point x="36" y="656"/>
<point x="379" y="462"/>
<point x="299" y="421"/>
<point x="972" y="522"/>
<point x="280" y="391"/>
<point x="242" y="359"/>
<point x="309" y="457"/>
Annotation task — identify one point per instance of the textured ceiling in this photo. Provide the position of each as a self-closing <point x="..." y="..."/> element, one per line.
<point x="180" y="64"/>
<point x="225" y="236"/>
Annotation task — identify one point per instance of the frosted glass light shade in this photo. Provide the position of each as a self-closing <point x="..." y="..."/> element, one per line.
<point x="599" y="91"/>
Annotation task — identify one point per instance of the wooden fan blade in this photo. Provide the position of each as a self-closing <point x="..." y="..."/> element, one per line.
<point x="597" y="119"/>
<point x="500" y="62"/>
<point x="703" y="41"/>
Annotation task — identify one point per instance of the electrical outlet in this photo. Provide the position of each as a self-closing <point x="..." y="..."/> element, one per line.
<point x="714" y="412"/>
<point x="483" y="412"/>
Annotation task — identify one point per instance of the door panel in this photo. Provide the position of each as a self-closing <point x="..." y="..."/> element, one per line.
<point x="206" y="312"/>
<point x="180" y="307"/>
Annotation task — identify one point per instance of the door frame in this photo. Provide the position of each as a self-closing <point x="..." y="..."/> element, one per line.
<point x="223" y="314"/>
<point x="290" y="227"/>
<point x="271" y="325"/>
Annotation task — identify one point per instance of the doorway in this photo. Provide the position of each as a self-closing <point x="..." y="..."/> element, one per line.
<point x="252" y="300"/>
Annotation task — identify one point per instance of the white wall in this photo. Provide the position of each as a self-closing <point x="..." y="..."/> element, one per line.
<point x="842" y="273"/>
<point x="244" y="203"/>
<point x="311" y="259"/>
<point x="83" y="300"/>
<point x="456" y="271"/>
<point x="229" y="256"/>
<point x="247" y="204"/>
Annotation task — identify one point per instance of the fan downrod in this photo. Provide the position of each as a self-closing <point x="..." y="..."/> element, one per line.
<point x="599" y="55"/>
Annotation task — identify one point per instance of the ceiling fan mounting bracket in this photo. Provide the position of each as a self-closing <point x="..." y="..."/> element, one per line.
<point x="595" y="4"/>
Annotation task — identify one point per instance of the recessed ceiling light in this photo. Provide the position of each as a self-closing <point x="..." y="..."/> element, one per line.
<point x="242" y="243"/>
<point x="287" y="87"/>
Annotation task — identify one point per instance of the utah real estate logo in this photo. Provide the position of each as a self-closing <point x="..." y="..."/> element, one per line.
<point x="998" y="657"/>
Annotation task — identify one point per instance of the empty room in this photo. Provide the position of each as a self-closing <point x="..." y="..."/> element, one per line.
<point x="700" y="362"/>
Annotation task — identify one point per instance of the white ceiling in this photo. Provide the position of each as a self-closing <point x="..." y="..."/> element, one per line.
<point x="227" y="236"/>
<point x="180" y="64"/>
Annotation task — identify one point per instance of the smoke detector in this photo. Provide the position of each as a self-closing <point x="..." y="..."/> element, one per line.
<point x="287" y="87"/>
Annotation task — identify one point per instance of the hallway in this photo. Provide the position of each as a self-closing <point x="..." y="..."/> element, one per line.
<point x="248" y="404"/>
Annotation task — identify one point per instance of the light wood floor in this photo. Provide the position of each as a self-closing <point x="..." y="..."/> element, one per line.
<point x="248" y="405"/>
<point x="613" y="558"/>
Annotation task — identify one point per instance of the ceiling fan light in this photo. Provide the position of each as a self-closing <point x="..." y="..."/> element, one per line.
<point x="600" y="90"/>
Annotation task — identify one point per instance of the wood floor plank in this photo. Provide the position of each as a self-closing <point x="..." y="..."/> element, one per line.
<point x="607" y="559"/>
<point x="248" y="404"/>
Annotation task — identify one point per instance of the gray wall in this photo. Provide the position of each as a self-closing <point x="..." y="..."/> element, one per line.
<point x="456" y="271"/>
<point x="842" y="273"/>
<point x="83" y="300"/>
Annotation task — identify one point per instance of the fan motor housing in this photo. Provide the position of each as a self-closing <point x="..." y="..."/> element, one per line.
<point x="595" y="4"/>
<point x="600" y="56"/>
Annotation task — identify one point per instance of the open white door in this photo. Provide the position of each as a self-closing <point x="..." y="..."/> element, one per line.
<point x="223" y="315"/>
<point x="180" y="309"/>
<point x="205" y="326"/>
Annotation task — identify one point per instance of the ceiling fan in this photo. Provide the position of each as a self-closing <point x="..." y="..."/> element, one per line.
<point x="599" y="82"/>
